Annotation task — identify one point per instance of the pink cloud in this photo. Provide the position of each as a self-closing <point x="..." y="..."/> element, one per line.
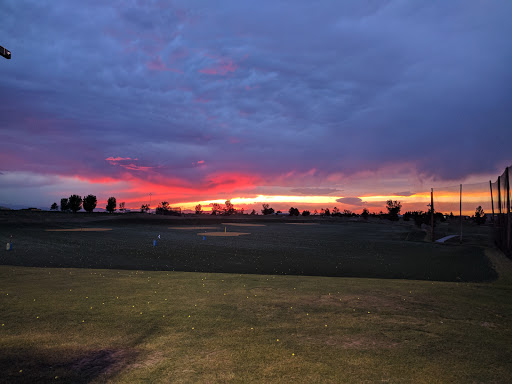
<point x="179" y="54"/>
<point x="222" y="66"/>
<point x="133" y="167"/>
<point x="114" y="159"/>
<point x="158" y="65"/>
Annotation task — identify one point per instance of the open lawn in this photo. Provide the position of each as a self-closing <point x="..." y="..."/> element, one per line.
<point x="343" y="248"/>
<point x="83" y="325"/>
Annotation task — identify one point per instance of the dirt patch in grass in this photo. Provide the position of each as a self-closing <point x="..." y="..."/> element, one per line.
<point x="350" y="342"/>
<point x="192" y="227"/>
<point x="244" y="225"/>
<point x="223" y="234"/>
<point x="79" y="230"/>
<point x="68" y="366"/>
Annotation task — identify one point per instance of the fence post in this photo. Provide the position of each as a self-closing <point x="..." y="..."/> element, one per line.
<point x="460" y="213"/>
<point x="492" y="203"/>
<point x="432" y="211"/>
<point x="508" y="209"/>
<point x="500" y="218"/>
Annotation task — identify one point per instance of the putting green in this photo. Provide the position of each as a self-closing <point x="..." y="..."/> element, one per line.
<point x="223" y="234"/>
<point x="192" y="227"/>
<point x="79" y="230"/>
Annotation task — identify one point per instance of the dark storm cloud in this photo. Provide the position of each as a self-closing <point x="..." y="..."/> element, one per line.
<point x="263" y="88"/>
<point x="315" y="191"/>
<point x="350" y="200"/>
<point x="407" y="193"/>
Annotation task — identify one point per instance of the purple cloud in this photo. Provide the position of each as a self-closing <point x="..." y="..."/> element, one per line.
<point x="350" y="201"/>
<point x="368" y="86"/>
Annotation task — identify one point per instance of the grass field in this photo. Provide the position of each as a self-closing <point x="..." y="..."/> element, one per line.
<point x="329" y="248"/>
<point x="83" y="325"/>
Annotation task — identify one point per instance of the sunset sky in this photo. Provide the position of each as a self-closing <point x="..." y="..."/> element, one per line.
<point x="296" y="103"/>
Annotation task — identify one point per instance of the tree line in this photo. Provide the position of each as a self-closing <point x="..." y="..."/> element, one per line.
<point x="75" y="203"/>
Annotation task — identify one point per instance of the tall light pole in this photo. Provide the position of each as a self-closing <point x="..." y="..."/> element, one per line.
<point x="5" y="52"/>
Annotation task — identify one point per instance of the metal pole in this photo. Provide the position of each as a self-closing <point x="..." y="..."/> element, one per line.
<point x="432" y="211"/>
<point x="460" y="213"/>
<point x="508" y="209"/>
<point x="492" y="202"/>
<point x="500" y="218"/>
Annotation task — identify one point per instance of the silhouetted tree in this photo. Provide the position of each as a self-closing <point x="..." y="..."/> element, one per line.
<point x="90" y="202"/>
<point x="479" y="215"/>
<point x="267" y="210"/>
<point x="54" y="207"/>
<point x="335" y="212"/>
<point x="75" y="203"/>
<point x="325" y="212"/>
<point x="144" y="208"/>
<point x="294" y="211"/>
<point x="451" y="215"/>
<point x="122" y="207"/>
<point x="306" y="213"/>
<point x="393" y="208"/>
<point x="163" y="208"/>
<point x="253" y="212"/>
<point x="215" y="208"/>
<point x="199" y="209"/>
<point x="365" y="213"/>
<point x="315" y="212"/>
<point x="64" y="205"/>
<point x="111" y="204"/>
<point x="347" y="213"/>
<point x="230" y="209"/>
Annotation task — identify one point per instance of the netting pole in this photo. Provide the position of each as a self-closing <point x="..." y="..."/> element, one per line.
<point x="460" y="213"/>
<point x="492" y="203"/>
<point x="500" y="219"/>
<point x="508" y="208"/>
<point x="432" y="211"/>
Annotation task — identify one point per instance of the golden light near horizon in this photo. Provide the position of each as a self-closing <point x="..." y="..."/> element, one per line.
<point x="416" y="200"/>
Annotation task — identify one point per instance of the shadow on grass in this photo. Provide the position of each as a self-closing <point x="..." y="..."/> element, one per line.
<point x="62" y="366"/>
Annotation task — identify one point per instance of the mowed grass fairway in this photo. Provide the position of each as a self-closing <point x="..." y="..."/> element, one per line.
<point x="83" y="325"/>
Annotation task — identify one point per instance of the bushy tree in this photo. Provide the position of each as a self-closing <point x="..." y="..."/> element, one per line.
<point x="144" y="208"/>
<point x="479" y="215"/>
<point x="163" y="208"/>
<point x="111" y="204"/>
<point x="347" y="213"/>
<point x="75" y="203"/>
<point x="90" y="202"/>
<point x="325" y="212"/>
<point x="64" y="205"/>
<point x="199" y="209"/>
<point x="122" y="207"/>
<point x="365" y="213"/>
<point x="215" y="208"/>
<point x="293" y="211"/>
<point x="54" y="207"/>
<point x="393" y="208"/>
<point x="266" y="209"/>
<point x="229" y="209"/>
<point x="305" y="213"/>
<point x="336" y="212"/>
<point x="253" y="212"/>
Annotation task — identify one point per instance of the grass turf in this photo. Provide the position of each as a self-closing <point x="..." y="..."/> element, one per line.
<point x="330" y="248"/>
<point x="83" y="325"/>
